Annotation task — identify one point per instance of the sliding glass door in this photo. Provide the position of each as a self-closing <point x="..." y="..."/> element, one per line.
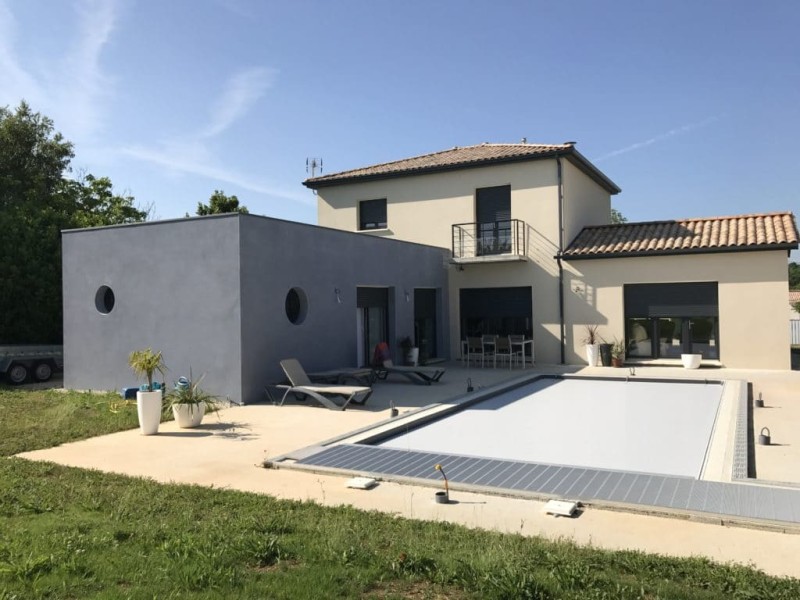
<point x="667" y="320"/>
<point x="372" y="321"/>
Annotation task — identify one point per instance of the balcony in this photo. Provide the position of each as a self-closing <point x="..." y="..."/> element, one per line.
<point x="496" y="241"/>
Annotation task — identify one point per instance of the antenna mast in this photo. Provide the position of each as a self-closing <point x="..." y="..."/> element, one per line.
<point x="312" y="164"/>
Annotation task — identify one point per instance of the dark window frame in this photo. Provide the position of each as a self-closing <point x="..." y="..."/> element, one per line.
<point x="372" y="214"/>
<point x="650" y="304"/>
<point x="493" y="219"/>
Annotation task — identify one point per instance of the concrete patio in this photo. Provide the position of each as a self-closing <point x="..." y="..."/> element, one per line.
<point x="228" y="451"/>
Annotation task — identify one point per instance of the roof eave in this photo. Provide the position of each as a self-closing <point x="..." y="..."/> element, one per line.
<point x="729" y="249"/>
<point x="596" y="174"/>
<point x="580" y="160"/>
<point x="473" y="164"/>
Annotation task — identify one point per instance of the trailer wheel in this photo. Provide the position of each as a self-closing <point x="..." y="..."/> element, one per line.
<point x="43" y="372"/>
<point x="17" y="373"/>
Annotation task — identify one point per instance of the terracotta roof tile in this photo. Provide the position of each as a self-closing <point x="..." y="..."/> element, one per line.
<point x="463" y="157"/>
<point x="715" y="234"/>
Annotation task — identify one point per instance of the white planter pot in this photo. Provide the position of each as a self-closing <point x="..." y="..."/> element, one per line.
<point x="592" y="354"/>
<point x="412" y="357"/>
<point x="691" y="361"/>
<point x="148" y="406"/>
<point x="188" y="415"/>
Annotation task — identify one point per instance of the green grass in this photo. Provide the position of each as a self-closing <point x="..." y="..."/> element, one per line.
<point x="72" y="533"/>
<point x="31" y="420"/>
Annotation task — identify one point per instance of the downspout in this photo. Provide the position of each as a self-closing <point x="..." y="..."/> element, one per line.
<point x="558" y="259"/>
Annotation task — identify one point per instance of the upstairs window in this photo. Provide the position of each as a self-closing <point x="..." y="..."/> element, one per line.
<point x="372" y="214"/>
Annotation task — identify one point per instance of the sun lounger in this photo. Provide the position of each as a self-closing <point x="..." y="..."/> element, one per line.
<point x="364" y="376"/>
<point x="382" y="361"/>
<point x="302" y="385"/>
<point x="418" y="375"/>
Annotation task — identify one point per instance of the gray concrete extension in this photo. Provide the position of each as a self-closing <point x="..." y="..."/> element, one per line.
<point x="228" y="452"/>
<point x="210" y="293"/>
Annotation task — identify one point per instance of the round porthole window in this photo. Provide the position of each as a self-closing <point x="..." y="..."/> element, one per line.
<point x="296" y="305"/>
<point x="104" y="299"/>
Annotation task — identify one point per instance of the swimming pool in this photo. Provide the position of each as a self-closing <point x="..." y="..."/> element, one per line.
<point x="648" y="412"/>
<point x="652" y="427"/>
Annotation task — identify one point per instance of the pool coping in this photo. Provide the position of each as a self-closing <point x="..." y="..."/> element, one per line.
<point x="739" y="501"/>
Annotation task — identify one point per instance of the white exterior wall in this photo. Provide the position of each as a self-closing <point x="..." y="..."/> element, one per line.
<point x="752" y="290"/>
<point x="423" y="209"/>
<point x="588" y="204"/>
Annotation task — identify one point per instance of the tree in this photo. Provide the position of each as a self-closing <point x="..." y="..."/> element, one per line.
<point x="219" y="203"/>
<point x="96" y="203"/>
<point x="37" y="201"/>
<point x="794" y="276"/>
<point x="617" y="218"/>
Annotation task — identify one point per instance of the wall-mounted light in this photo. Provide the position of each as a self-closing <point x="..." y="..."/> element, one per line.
<point x="338" y="293"/>
<point x="408" y="296"/>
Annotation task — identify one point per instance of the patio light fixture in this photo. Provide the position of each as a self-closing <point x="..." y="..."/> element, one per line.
<point x="338" y="293"/>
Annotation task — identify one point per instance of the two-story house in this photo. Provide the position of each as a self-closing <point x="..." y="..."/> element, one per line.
<point x="533" y="252"/>
<point x="488" y="239"/>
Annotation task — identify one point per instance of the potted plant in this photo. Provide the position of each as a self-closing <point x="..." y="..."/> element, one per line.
<point x="189" y="401"/>
<point x="410" y="352"/>
<point x="592" y="341"/>
<point x="145" y="363"/>
<point x="617" y="353"/>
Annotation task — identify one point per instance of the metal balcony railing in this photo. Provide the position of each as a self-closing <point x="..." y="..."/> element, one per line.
<point x="487" y="242"/>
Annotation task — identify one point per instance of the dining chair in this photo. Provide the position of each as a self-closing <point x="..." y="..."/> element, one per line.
<point x="517" y="343"/>
<point x="489" y="344"/>
<point x="474" y="348"/>
<point x="502" y="350"/>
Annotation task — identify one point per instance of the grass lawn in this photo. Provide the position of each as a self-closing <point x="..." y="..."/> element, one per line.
<point x="72" y="533"/>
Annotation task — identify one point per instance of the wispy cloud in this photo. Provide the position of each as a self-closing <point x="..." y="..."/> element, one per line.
<point x="86" y="89"/>
<point x="659" y="138"/>
<point x="73" y="91"/>
<point x="241" y="92"/>
<point x="183" y="158"/>
<point x="17" y="83"/>
<point x="192" y="154"/>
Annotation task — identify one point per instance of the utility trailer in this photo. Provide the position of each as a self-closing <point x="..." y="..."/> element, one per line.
<point x="21" y="363"/>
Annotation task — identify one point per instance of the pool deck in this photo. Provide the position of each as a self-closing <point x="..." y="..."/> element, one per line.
<point x="228" y="451"/>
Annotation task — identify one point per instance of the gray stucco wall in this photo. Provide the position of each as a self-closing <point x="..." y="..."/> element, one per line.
<point x="277" y="256"/>
<point x="176" y="288"/>
<point x="210" y="293"/>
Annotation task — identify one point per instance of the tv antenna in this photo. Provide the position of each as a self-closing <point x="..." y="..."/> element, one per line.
<point x="312" y="164"/>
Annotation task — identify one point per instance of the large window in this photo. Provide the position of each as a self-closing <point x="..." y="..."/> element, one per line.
<point x="493" y="216"/>
<point x="499" y="311"/>
<point x="372" y="214"/>
<point x="666" y="320"/>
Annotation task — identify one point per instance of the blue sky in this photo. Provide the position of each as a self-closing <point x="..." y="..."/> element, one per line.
<point x="692" y="108"/>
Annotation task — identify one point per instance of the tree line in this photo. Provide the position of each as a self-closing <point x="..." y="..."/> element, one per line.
<point x="39" y="197"/>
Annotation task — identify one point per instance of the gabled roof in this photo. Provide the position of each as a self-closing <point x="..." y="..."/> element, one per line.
<point x="467" y="157"/>
<point x="770" y="231"/>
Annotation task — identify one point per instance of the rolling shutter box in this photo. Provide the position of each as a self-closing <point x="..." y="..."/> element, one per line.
<point x="372" y="297"/>
<point x="477" y="303"/>
<point x="672" y="300"/>
<point x="493" y="204"/>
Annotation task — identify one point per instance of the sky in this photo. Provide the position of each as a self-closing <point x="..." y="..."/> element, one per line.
<point x="692" y="108"/>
